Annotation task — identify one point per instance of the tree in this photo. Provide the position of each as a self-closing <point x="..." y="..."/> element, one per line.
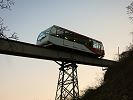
<point x="130" y="11"/>
<point x="6" y="4"/>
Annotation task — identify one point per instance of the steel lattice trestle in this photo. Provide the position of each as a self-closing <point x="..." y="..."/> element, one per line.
<point x="67" y="87"/>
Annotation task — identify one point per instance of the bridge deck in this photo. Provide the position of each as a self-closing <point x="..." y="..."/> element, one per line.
<point x="17" y="48"/>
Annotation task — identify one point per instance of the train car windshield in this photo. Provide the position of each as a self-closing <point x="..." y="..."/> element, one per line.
<point x="43" y="34"/>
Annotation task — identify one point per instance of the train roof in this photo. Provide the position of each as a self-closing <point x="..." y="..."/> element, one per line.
<point x="75" y="33"/>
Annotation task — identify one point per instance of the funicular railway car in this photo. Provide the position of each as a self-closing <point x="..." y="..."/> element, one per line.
<point x="59" y="37"/>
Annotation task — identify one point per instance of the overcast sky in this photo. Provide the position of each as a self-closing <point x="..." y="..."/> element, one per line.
<point x="32" y="79"/>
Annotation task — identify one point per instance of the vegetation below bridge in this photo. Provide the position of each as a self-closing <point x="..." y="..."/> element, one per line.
<point x="118" y="81"/>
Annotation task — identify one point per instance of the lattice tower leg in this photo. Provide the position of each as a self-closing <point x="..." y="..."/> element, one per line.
<point x="67" y="87"/>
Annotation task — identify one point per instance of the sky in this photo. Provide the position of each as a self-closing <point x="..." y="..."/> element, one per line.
<point x="33" y="79"/>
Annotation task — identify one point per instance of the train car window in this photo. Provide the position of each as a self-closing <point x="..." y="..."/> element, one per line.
<point x="79" y="39"/>
<point x="53" y="30"/>
<point x="47" y="31"/>
<point x="66" y="32"/>
<point x="90" y="43"/>
<point x="60" y="31"/>
<point x="95" y="44"/>
<point x="66" y="38"/>
<point x="69" y="35"/>
<point x="102" y="48"/>
<point x="98" y="45"/>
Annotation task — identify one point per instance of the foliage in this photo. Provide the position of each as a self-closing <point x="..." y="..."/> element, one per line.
<point x="130" y="11"/>
<point x="2" y="29"/>
<point x="127" y="54"/>
<point x="118" y="81"/>
<point x="6" y="4"/>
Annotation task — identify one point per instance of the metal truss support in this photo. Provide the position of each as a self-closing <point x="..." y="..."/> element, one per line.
<point x="67" y="87"/>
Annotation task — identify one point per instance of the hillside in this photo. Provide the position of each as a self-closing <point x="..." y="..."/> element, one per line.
<point x="118" y="81"/>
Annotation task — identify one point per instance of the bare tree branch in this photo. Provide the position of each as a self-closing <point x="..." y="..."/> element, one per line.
<point x="4" y="29"/>
<point x="6" y="4"/>
<point x="14" y="36"/>
<point x="130" y="11"/>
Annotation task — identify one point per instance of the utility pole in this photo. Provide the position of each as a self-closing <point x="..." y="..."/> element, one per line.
<point x="118" y="53"/>
<point x="132" y="37"/>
